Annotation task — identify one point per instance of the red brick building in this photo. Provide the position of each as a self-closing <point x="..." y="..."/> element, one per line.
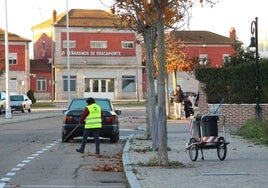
<point x="208" y="48"/>
<point x="104" y="59"/>
<point x="19" y="66"/>
<point x="40" y="78"/>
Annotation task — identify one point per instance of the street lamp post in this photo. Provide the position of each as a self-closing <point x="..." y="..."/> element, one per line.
<point x="68" y="54"/>
<point x="254" y="44"/>
<point x="8" y="109"/>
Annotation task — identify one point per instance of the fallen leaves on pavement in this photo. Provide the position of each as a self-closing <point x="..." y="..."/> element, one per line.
<point x="109" y="163"/>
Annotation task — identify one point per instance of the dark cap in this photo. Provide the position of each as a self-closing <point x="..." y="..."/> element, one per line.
<point x="90" y="100"/>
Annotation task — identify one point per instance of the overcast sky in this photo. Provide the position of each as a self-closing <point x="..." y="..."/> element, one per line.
<point x="23" y="14"/>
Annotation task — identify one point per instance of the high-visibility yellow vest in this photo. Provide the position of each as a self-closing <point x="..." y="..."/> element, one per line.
<point x="93" y="120"/>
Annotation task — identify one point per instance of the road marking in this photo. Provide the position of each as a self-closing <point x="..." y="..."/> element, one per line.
<point x="12" y="172"/>
<point x="21" y="165"/>
<point x="224" y="173"/>
<point x="25" y="161"/>
<point x="15" y="169"/>
<point x="5" y="179"/>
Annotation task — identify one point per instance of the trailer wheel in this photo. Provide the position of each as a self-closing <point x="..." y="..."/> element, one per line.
<point x="193" y="150"/>
<point x="221" y="149"/>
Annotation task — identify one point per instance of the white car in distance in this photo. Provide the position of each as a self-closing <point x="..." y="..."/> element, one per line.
<point x="20" y="102"/>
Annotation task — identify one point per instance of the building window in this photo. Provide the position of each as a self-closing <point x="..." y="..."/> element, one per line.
<point x="41" y="84"/>
<point x="72" y="83"/>
<point x="98" y="44"/>
<point x="13" y="84"/>
<point x="103" y="85"/>
<point x="95" y="86"/>
<point x="226" y="58"/>
<point x="128" y="84"/>
<point x="127" y="44"/>
<point x="87" y="85"/>
<point x="110" y="85"/>
<point x="203" y="59"/>
<point x="99" y="85"/>
<point x="44" y="45"/>
<point x="72" y="44"/>
<point x="12" y="58"/>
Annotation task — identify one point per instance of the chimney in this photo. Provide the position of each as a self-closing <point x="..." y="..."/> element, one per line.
<point x="232" y="34"/>
<point x="54" y="16"/>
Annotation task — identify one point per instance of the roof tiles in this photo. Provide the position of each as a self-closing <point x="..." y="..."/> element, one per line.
<point x="12" y="37"/>
<point x="83" y="18"/>
<point x="202" y="37"/>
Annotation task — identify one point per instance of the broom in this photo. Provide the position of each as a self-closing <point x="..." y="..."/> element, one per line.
<point x="69" y="135"/>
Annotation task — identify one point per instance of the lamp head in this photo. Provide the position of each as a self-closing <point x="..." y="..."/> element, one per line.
<point x="252" y="45"/>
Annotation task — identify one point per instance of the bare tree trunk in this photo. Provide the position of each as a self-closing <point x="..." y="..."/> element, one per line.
<point x="167" y="96"/>
<point x="161" y="56"/>
<point x="149" y="40"/>
<point x="174" y="79"/>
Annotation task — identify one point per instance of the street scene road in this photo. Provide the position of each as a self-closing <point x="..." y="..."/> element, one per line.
<point x="32" y="155"/>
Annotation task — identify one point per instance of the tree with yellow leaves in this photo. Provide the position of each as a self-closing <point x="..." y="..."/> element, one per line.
<point x="139" y="15"/>
<point x="176" y="57"/>
<point x="150" y="18"/>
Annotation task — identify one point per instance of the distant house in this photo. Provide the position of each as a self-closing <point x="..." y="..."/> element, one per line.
<point x="103" y="59"/>
<point x="19" y="65"/>
<point x="41" y="78"/>
<point x="210" y="49"/>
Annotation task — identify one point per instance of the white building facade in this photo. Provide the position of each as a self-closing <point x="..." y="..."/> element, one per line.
<point x="103" y="61"/>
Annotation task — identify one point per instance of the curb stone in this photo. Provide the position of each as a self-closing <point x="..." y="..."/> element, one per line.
<point x="131" y="177"/>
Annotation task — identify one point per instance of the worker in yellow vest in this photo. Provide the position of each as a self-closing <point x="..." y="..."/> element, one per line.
<point x="93" y="122"/>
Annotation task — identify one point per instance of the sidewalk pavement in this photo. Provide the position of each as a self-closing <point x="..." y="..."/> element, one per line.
<point x="38" y="113"/>
<point x="244" y="166"/>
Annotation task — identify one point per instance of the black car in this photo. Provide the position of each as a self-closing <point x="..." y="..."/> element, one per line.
<point x="110" y="123"/>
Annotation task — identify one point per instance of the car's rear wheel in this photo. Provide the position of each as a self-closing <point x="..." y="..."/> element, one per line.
<point x="115" y="137"/>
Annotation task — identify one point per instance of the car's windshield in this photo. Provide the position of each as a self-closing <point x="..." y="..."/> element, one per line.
<point x="81" y="104"/>
<point x="104" y="104"/>
<point x="16" y="98"/>
<point x="77" y="104"/>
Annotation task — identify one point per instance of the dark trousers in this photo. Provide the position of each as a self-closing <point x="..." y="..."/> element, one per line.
<point x="188" y="112"/>
<point x="96" y="133"/>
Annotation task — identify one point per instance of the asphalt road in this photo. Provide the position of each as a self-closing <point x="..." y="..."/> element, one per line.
<point x="32" y="155"/>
